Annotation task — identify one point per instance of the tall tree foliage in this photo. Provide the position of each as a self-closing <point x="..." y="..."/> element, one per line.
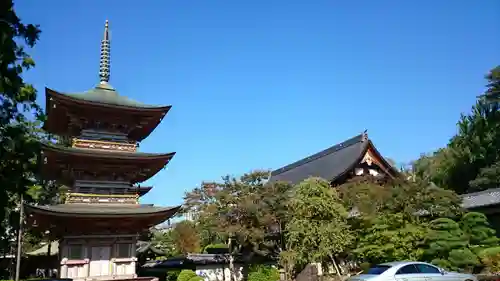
<point x="447" y="245"/>
<point x="20" y="117"/>
<point x="318" y="230"/>
<point x="471" y="161"/>
<point x="478" y="231"/>
<point x="492" y="95"/>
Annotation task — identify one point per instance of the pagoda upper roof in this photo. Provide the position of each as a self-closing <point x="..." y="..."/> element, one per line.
<point x="103" y="105"/>
<point x="331" y="163"/>
<point x="102" y="210"/>
<point x="103" y="95"/>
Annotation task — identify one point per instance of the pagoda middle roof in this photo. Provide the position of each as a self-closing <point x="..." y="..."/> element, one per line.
<point x="106" y="154"/>
<point x="104" y="94"/>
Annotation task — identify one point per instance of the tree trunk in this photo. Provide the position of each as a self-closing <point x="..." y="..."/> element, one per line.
<point x="231" y="260"/>
<point x="337" y="269"/>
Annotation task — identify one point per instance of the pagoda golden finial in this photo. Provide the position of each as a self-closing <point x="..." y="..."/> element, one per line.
<point x="104" y="66"/>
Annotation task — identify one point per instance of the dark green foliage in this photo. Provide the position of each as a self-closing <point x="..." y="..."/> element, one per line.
<point x="387" y="227"/>
<point x="263" y="273"/>
<point x="186" y="275"/>
<point x="445" y="236"/>
<point x="216" y="248"/>
<point x="471" y="160"/>
<point x="492" y="94"/>
<point x="462" y="259"/>
<point x="390" y="238"/>
<point x="172" y="275"/>
<point x="20" y="120"/>
<point x="477" y="228"/>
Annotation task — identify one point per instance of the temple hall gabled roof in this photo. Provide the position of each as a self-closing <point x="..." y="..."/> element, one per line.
<point x="331" y="163"/>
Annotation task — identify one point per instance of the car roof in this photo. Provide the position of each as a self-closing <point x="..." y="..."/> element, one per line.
<point x="397" y="263"/>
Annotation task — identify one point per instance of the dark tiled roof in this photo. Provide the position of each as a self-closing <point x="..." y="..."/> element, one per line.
<point x="328" y="164"/>
<point x="481" y="199"/>
<point x="191" y="258"/>
<point x="101" y="210"/>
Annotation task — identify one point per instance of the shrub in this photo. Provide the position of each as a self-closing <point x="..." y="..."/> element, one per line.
<point x="263" y="273"/>
<point x="197" y="278"/>
<point x="490" y="257"/>
<point x="172" y="275"/>
<point x="216" y="249"/>
<point x="186" y="275"/>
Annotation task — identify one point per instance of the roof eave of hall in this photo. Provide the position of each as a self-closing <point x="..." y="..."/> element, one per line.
<point x="332" y="163"/>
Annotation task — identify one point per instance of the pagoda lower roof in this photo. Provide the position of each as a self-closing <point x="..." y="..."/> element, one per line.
<point x="101" y="210"/>
<point x="107" y="154"/>
<point x="85" y="219"/>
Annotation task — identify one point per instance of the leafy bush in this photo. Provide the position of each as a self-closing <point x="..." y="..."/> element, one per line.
<point x="263" y="273"/>
<point x="216" y="249"/>
<point x="197" y="278"/>
<point x="490" y="257"/>
<point x="172" y="275"/>
<point x="186" y="275"/>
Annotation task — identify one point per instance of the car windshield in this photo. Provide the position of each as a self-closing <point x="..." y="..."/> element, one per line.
<point x="378" y="269"/>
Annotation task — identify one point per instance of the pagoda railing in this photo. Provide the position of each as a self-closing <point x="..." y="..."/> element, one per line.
<point x="121" y="268"/>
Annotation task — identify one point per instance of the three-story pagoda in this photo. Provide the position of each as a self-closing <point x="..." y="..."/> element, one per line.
<point x="98" y="225"/>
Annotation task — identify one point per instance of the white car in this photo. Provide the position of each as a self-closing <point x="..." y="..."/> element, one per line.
<point x="410" y="271"/>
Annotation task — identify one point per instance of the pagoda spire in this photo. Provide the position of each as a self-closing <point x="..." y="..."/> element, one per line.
<point x="104" y="65"/>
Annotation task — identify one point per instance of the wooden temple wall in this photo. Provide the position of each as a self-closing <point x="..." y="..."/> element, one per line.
<point x="98" y="257"/>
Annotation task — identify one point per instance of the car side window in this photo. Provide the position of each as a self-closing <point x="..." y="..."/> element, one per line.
<point x="428" y="269"/>
<point x="408" y="269"/>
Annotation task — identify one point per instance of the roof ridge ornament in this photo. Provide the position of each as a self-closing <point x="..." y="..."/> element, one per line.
<point x="364" y="136"/>
<point x="104" y="64"/>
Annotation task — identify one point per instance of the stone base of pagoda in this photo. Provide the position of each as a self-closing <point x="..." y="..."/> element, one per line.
<point x="101" y="257"/>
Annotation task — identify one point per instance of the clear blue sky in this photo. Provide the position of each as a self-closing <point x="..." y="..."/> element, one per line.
<point x="259" y="84"/>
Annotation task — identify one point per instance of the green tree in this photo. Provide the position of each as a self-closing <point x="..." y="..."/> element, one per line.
<point x="263" y="273"/>
<point x="479" y="232"/>
<point x="446" y="245"/>
<point x="471" y="160"/>
<point x="185" y="238"/>
<point x="392" y="215"/>
<point x="186" y="275"/>
<point x="492" y="94"/>
<point x="20" y="119"/>
<point x="390" y="237"/>
<point x="318" y="230"/>
<point x="248" y="209"/>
